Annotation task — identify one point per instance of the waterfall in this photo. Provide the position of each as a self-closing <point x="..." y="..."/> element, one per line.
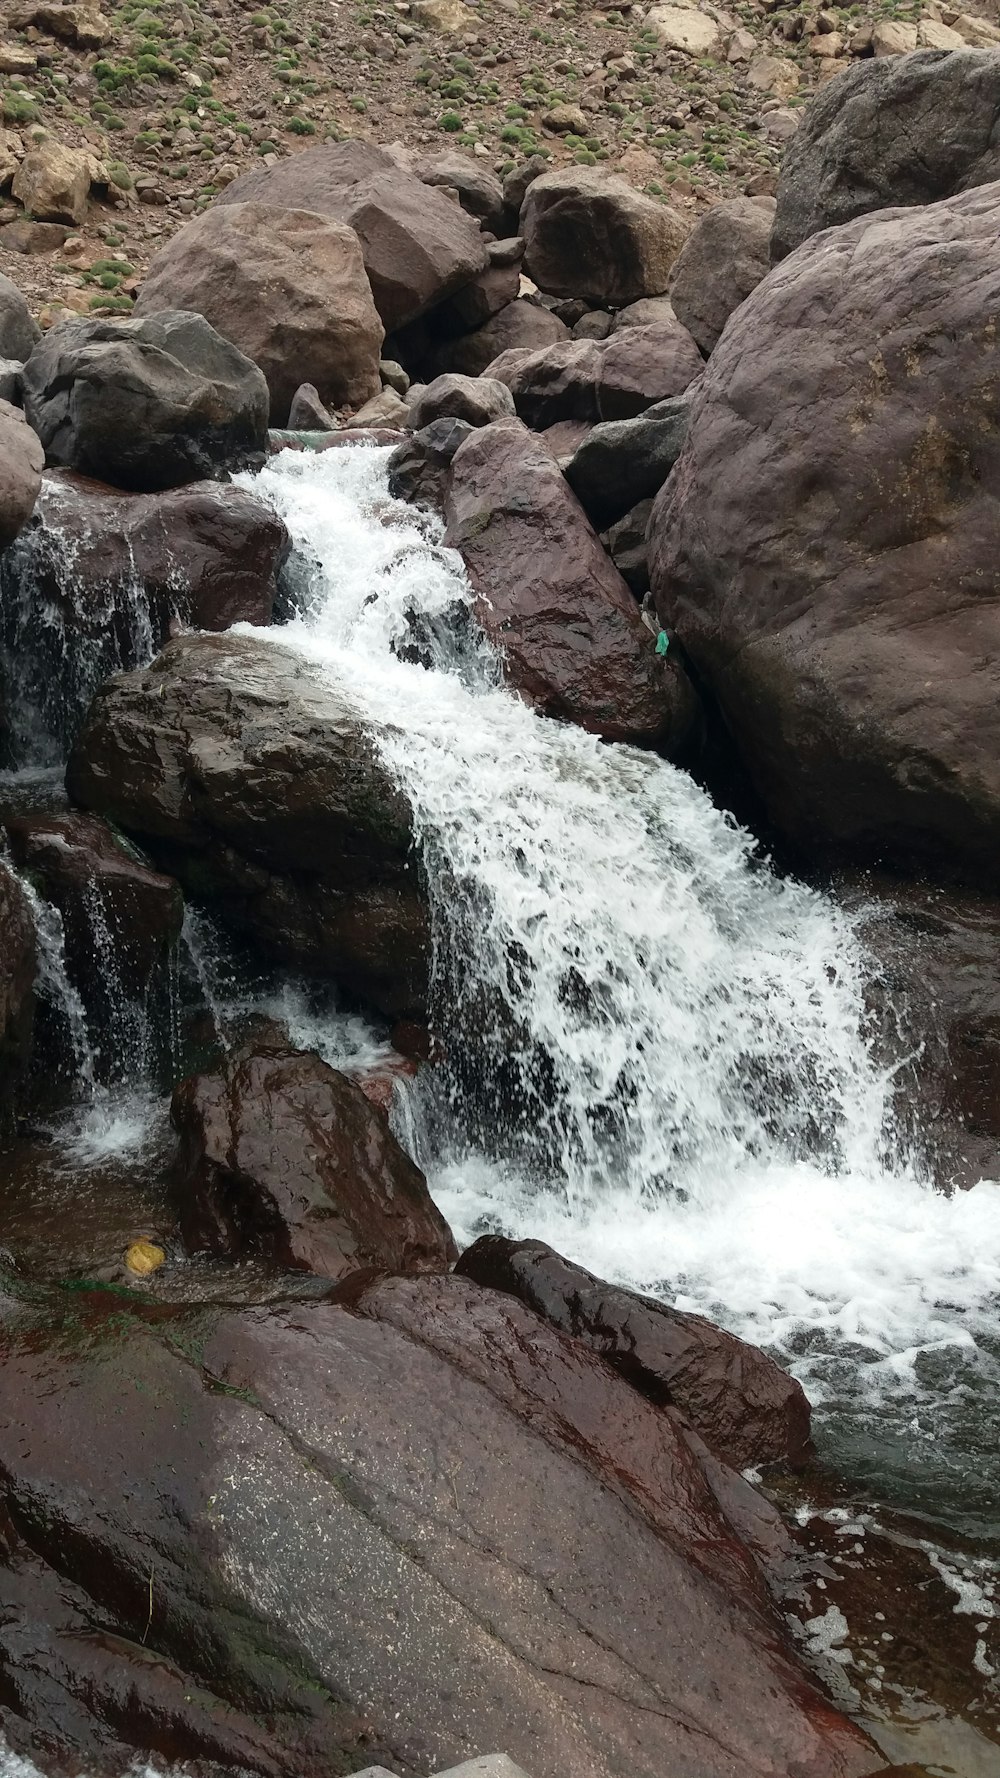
<point x="656" y="1051"/>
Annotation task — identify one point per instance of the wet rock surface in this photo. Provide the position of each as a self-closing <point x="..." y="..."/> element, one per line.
<point x="17" y="984"/>
<point x="572" y="639"/>
<point x="285" y="1158"/>
<point x="249" y="780"/>
<point x="22" y="460"/>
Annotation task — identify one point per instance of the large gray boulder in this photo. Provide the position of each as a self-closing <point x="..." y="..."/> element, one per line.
<point x="894" y="130"/>
<point x="257" y="784"/>
<point x="590" y="234"/>
<point x="418" y="245"/>
<point x="825" y="548"/>
<point x="724" y="257"/>
<point x="147" y="403"/>
<point x="19" y="334"/>
<point x="287" y="287"/>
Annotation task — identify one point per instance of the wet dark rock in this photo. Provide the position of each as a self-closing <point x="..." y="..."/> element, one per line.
<point x="725" y="256"/>
<point x="894" y="130"/>
<point x="284" y="1158"/>
<point x="572" y="640"/>
<point x="17" y="984"/>
<point x="479" y="400"/>
<point x="744" y="1406"/>
<point x="22" y="460"/>
<point x="249" y="778"/>
<point x="626" y="544"/>
<point x="624" y="461"/>
<point x="145" y="404"/>
<point x="418" y="468"/>
<point x="825" y="546"/>
<point x="387" y="1531"/>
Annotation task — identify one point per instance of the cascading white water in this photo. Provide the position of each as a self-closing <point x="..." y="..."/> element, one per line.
<point x="655" y="1045"/>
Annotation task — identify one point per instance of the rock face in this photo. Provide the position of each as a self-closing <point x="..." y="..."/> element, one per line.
<point x="724" y="257"/>
<point x="824" y="548"/>
<point x="589" y="234"/>
<point x="897" y="130"/>
<point x="144" y="404"/>
<point x="17" y="984"/>
<point x="746" y="1409"/>
<point x="418" y="245"/>
<point x="22" y="460"/>
<point x="19" y="334"/>
<point x="477" y="400"/>
<point x="287" y="287"/>
<point x="571" y="637"/>
<point x="284" y="1158"/>
<point x="249" y="780"/>
<point x="625" y="461"/>
<point x="593" y="380"/>
<point x="342" y="1504"/>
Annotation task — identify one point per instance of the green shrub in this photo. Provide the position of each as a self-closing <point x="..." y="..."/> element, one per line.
<point x="450" y="122"/>
<point x="301" y="126"/>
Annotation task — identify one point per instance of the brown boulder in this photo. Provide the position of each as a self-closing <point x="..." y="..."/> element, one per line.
<point x="253" y="781"/>
<point x="589" y="234"/>
<point x="478" y="190"/>
<point x="392" y="1534"/>
<point x="725" y="256"/>
<point x="568" y="629"/>
<point x="592" y="380"/>
<point x="19" y="333"/>
<point x="287" y="287"/>
<point x="17" y="983"/>
<point x="745" y="1407"/>
<point x="282" y="1157"/>
<point x="521" y="324"/>
<point x="825" y="546"/>
<point x="22" y="460"/>
<point x="53" y="182"/>
<point x="418" y="245"/>
<point x="478" y="400"/>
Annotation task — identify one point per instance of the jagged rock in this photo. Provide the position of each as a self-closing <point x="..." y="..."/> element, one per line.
<point x="264" y="795"/>
<point x="282" y="1157"/>
<point x="342" y="1501"/>
<point x="568" y="629"/>
<point x="418" y="468"/>
<point x="146" y="403"/>
<point x="53" y="182"/>
<point x="593" y="380"/>
<point x="776" y="75"/>
<point x="596" y="324"/>
<point x="393" y="376"/>
<point x="479" y="191"/>
<point x="896" y="130"/>
<point x="475" y="399"/>
<point x="22" y="460"/>
<point x="589" y="234"/>
<point x="724" y="257"/>
<point x="287" y="287"/>
<point x="520" y="324"/>
<point x="825" y="546"/>
<point x="418" y="245"/>
<point x="745" y="1407"/>
<point x="623" y="461"/>
<point x="19" y="334"/>
<point x="17" y="983"/>
<point x="307" y="413"/>
<point x="893" y="37"/>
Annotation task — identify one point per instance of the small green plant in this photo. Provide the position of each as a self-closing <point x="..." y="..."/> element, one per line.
<point x="301" y="126"/>
<point x="358" y="103"/>
<point x="450" y="122"/>
<point x="19" y="109"/>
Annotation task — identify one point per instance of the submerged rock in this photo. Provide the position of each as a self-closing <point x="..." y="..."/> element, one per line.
<point x="283" y="1157"/>
<point x="418" y="468"/>
<point x="745" y="1407"/>
<point x="391" y="1530"/>
<point x="256" y="783"/>
<point x="571" y="637"/>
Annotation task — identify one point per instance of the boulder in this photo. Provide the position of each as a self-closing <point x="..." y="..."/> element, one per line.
<point x="147" y="403"/>
<point x="120" y="919"/>
<point x="384" y="1531"/>
<point x="724" y="257"/>
<point x="523" y="324"/>
<point x="483" y="296"/>
<point x="478" y="190"/>
<point x="307" y="412"/>
<point x="53" y="182"/>
<point x="287" y="287"/>
<point x="625" y="542"/>
<point x="596" y="324"/>
<point x="644" y="312"/>
<point x="475" y="399"/>
<point x="418" y="468"/>
<point x="592" y="380"/>
<point x="254" y="781"/>
<point x="825" y="547"/>
<point x="75" y="22"/>
<point x="17" y="985"/>
<point x="893" y="37"/>
<point x="775" y="75"/>
<point x="744" y="1406"/>
<point x="624" y="461"/>
<point x="418" y="245"/>
<point x="282" y="1158"/>
<point x="890" y="131"/>
<point x="589" y="234"/>
<point x="684" y="28"/>
<point x="568" y="630"/>
<point x="22" y="460"/>
<point x="19" y="334"/>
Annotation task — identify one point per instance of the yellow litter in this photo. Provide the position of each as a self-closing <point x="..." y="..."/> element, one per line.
<point x="144" y="1257"/>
